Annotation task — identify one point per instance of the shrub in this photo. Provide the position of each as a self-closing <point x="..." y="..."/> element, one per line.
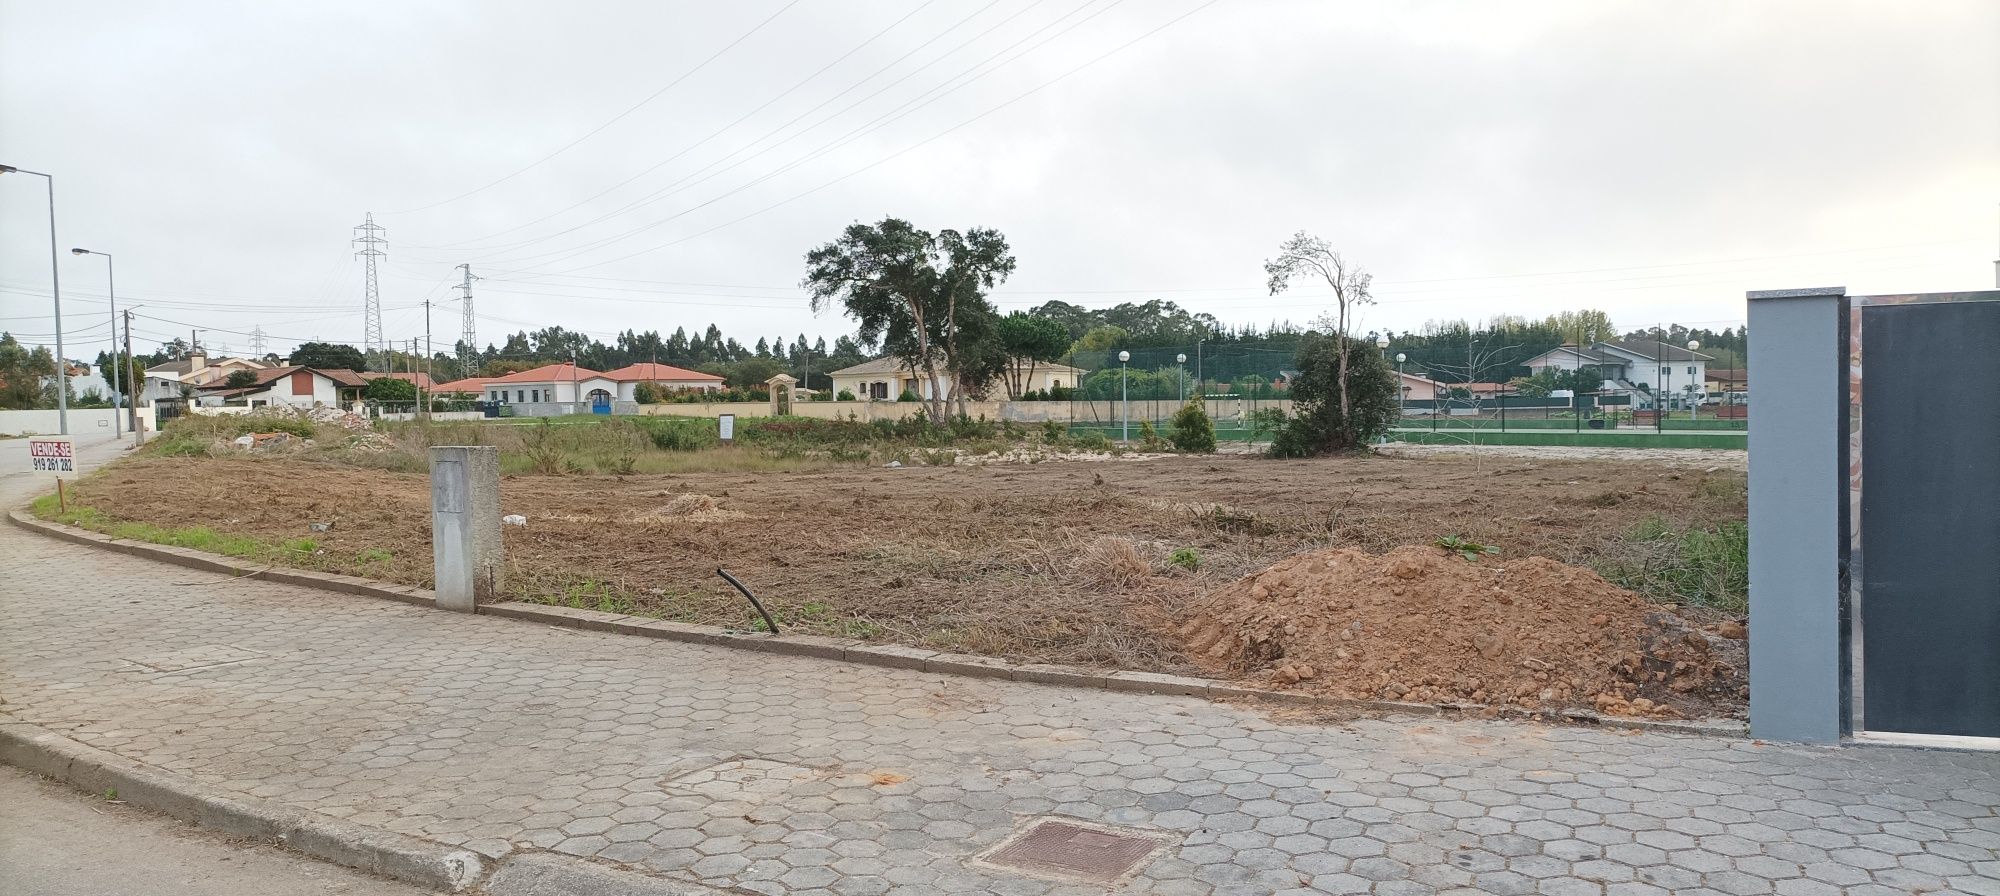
<point x="649" y="393"/>
<point x="679" y="433"/>
<point x="908" y="395"/>
<point x="1320" y="425"/>
<point x="1149" y="438"/>
<point x="846" y="395"/>
<point x="1053" y="432"/>
<point x="389" y="389"/>
<point x="1192" y="431"/>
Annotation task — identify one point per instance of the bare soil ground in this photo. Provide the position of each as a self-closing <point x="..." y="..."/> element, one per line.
<point x="1054" y="561"/>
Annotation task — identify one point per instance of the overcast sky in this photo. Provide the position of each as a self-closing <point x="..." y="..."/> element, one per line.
<point x="652" y="165"/>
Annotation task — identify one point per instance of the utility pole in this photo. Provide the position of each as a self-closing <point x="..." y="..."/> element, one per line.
<point x="138" y="438"/>
<point x="469" y="338"/>
<point x="370" y="237"/>
<point x="425" y="405"/>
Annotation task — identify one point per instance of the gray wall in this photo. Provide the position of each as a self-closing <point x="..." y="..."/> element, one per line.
<point x="1796" y="487"/>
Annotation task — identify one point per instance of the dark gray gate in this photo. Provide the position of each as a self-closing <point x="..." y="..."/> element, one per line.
<point x="1926" y="465"/>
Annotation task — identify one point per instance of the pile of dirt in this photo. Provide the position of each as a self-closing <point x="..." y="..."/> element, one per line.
<point x="1424" y="625"/>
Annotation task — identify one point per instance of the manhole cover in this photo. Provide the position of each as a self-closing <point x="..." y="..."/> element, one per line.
<point x="195" y="658"/>
<point x="1075" y="851"/>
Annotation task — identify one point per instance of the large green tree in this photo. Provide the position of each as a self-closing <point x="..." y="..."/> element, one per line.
<point x="328" y="356"/>
<point x="1027" y="340"/>
<point x="26" y="375"/>
<point x="920" y="294"/>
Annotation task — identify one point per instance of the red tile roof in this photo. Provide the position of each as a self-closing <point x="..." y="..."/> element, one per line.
<point x="469" y="384"/>
<point x="549" y="373"/>
<point x="649" y="372"/>
<point x="269" y="375"/>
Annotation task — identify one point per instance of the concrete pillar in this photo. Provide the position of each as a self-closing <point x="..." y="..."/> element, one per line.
<point x="1798" y="682"/>
<point x="465" y="526"/>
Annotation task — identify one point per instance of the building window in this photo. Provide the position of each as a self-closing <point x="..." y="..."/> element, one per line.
<point x="1690" y="371"/>
<point x="520" y="396"/>
<point x="302" y="382"/>
<point x="1666" y="371"/>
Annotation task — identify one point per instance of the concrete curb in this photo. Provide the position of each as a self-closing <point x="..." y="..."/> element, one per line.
<point x="424" y="863"/>
<point x="846" y="650"/>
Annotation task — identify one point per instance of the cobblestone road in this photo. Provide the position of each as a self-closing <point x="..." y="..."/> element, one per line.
<point x="800" y="776"/>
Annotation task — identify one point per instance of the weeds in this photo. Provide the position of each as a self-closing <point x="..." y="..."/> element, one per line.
<point x="1465" y="547"/>
<point x="1708" y="567"/>
<point x="1185" y="558"/>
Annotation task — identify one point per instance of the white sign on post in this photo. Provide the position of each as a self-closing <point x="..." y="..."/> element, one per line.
<point x="54" y="456"/>
<point x="726" y="425"/>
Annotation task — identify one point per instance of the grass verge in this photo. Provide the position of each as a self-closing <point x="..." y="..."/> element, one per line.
<point x="1689" y="565"/>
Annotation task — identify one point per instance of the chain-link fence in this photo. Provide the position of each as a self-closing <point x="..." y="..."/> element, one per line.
<point x="1673" y="377"/>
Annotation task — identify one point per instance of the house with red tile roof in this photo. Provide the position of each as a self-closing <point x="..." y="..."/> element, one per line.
<point x="666" y="376"/>
<point x="564" y="388"/>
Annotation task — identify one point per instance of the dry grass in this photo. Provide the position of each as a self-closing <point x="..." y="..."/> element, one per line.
<point x="1059" y="562"/>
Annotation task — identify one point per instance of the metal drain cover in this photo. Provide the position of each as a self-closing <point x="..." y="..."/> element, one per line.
<point x="1075" y="851"/>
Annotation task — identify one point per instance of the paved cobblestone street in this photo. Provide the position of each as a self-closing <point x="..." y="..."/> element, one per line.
<point x="800" y="776"/>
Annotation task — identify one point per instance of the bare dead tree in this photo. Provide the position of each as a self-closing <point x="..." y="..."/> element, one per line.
<point x="1305" y="255"/>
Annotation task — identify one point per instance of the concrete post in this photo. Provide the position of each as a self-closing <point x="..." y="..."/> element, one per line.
<point x="465" y="526"/>
<point x="1797" y="489"/>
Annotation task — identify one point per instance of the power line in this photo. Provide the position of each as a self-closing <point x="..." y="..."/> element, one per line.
<point x="701" y="142"/>
<point x="614" y="119"/>
<point x="674" y="187"/>
<point x="907" y="108"/>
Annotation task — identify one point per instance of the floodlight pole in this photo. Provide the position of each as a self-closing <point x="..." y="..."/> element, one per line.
<point x="1124" y="398"/>
<point x="55" y="289"/>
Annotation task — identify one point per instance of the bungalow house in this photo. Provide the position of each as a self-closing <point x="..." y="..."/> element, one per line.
<point x="1647" y="368"/>
<point x="665" y="376"/>
<point x="886" y="379"/>
<point x="1727" y="379"/>
<point x="299" y="387"/>
<point x="472" y="385"/>
<point x="563" y="388"/>
<point x="164" y="381"/>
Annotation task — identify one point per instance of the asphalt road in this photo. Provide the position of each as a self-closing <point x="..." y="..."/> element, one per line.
<point x="55" y="841"/>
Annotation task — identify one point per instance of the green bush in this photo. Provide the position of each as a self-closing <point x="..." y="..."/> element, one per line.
<point x="908" y="395"/>
<point x="1320" y="425"/>
<point x="1192" y="431"/>
<point x="679" y="433"/>
<point x="846" y="395"/>
<point x="649" y="393"/>
<point x="1054" y="432"/>
<point x="389" y="389"/>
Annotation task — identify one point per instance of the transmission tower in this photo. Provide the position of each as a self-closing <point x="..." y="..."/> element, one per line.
<point x="369" y="238"/>
<point x="257" y="341"/>
<point x="468" y="341"/>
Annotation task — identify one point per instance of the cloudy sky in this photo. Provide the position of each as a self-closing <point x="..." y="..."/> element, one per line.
<point x="651" y="165"/>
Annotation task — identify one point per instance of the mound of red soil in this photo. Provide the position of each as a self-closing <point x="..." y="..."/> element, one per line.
<point x="1424" y="625"/>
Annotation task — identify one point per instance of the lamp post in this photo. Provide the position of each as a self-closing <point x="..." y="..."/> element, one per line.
<point x="1693" y="346"/>
<point x="1181" y="360"/>
<point x="1124" y="398"/>
<point x="117" y="362"/>
<point x="55" y="289"/>
<point x="1402" y="388"/>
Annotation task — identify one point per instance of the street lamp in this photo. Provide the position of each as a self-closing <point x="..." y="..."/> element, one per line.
<point x="55" y="289"/>
<point x="1181" y="359"/>
<point x="117" y="362"/>
<point x="1402" y="388"/>
<point x="1125" y="398"/>
<point x="1693" y="346"/>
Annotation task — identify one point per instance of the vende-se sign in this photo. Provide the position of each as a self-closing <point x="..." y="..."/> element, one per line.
<point x="56" y="457"/>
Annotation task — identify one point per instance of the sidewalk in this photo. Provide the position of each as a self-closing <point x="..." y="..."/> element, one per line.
<point x="792" y="775"/>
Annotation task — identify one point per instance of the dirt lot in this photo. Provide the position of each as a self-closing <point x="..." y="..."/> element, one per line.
<point x="1055" y="561"/>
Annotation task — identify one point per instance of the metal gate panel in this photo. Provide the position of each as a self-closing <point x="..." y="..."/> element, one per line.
<point x="1924" y="584"/>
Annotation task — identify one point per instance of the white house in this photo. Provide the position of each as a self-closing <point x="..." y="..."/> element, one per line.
<point x="886" y="379"/>
<point x="299" y="387"/>
<point x="164" y="381"/>
<point x="563" y="383"/>
<point x="1643" y="368"/>
<point x="665" y="376"/>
